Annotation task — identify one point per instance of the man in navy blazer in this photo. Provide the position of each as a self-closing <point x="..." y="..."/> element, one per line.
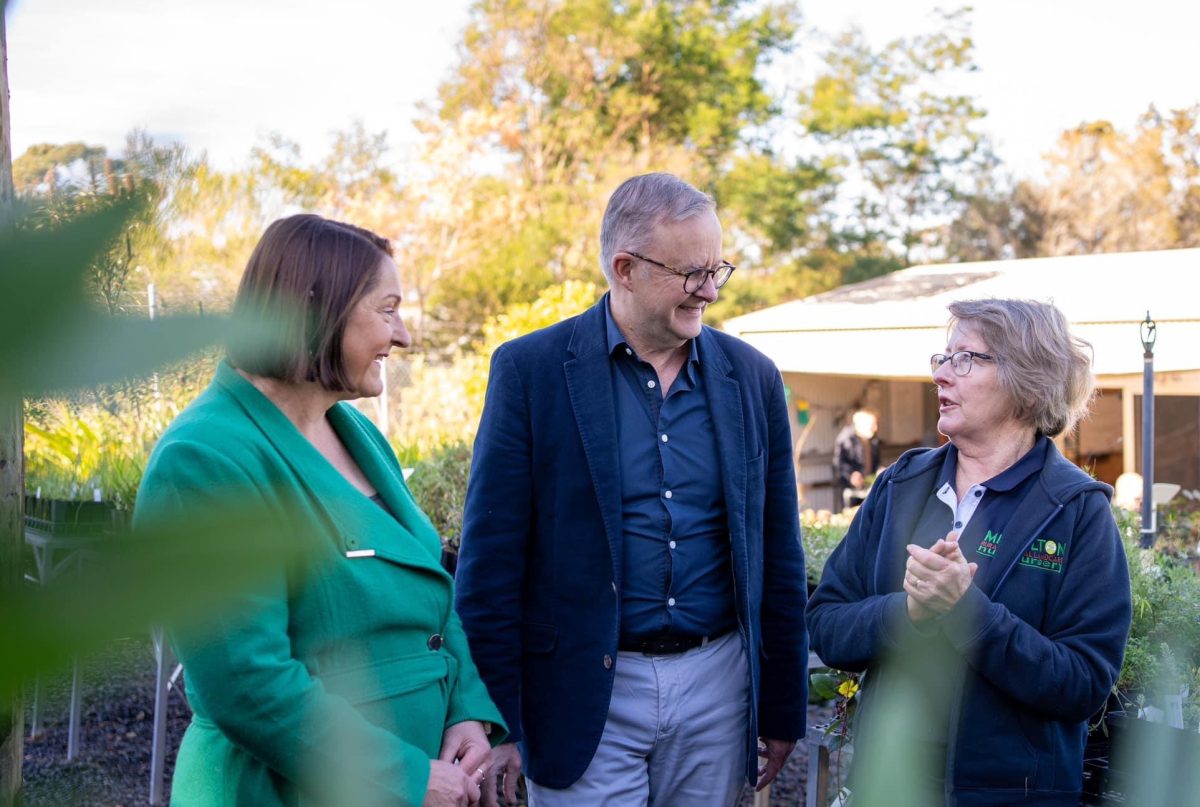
<point x="631" y="577"/>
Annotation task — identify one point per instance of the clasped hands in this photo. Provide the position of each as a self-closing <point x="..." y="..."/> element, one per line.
<point x="456" y="776"/>
<point x="935" y="579"/>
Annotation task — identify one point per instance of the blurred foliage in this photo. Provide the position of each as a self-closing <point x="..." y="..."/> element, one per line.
<point x="53" y="337"/>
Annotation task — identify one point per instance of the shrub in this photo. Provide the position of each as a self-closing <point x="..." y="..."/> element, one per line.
<point x="821" y="532"/>
<point x="439" y="484"/>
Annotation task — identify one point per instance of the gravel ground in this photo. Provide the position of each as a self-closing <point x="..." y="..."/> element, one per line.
<point x="113" y="768"/>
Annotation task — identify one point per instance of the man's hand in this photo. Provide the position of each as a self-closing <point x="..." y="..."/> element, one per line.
<point x="856" y="480"/>
<point x="467" y="744"/>
<point x="935" y="579"/>
<point x="775" y="752"/>
<point x="506" y="767"/>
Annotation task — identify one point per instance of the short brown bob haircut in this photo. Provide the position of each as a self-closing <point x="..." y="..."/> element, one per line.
<point x="1044" y="368"/>
<point x="307" y="273"/>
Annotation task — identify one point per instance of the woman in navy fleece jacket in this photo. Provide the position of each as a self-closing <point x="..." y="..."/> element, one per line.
<point x="985" y="579"/>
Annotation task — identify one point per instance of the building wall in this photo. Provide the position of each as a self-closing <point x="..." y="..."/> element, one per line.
<point x="1107" y="443"/>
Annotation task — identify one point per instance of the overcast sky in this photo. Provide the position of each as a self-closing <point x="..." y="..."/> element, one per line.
<point x="219" y="76"/>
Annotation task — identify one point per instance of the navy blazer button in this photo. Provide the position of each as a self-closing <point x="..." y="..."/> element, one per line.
<point x="435" y="642"/>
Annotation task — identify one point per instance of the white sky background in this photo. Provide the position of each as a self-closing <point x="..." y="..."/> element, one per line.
<point x="221" y="75"/>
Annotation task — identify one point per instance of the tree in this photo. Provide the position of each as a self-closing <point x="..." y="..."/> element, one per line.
<point x="43" y="160"/>
<point x="12" y="469"/>
<point x="908" y="146"/>
<point x="1111" y="191"/>
<point x="578" y="96"/>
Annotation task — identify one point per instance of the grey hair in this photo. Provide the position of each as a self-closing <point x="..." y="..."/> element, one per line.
<point x="641" y="204"/>
<point x="1044" y="368"/>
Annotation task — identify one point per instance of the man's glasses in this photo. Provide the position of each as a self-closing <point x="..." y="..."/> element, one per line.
<point x="960" y="361"/>
<point x="694" y="280"/>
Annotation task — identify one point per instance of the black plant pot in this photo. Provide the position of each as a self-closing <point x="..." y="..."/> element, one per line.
<point x="449" y="561"/>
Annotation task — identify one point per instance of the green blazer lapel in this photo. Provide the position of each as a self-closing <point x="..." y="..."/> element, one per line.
<point x="589" y="384"/>
<point x="325" y="490"/>
<point x="418" y="542"/>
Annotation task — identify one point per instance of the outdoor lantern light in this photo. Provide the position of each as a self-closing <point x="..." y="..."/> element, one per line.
<point x="1149" y="332"/>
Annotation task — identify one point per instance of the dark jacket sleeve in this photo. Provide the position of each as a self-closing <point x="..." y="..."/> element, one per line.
<point x="1065" y="668"/>
<point x="850" y="627"/>
<point x="783" y="700"/>
<point x="497" y="521"/>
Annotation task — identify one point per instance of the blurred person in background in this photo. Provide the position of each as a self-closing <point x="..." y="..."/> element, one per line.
<point x="855" y="459"/>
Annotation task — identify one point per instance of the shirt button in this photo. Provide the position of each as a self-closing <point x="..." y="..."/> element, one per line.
<point x="958" y="525"/>
<point x="671" y="544"/>
<point x="671" y="602"/>
<point x="668" y="494"/>
<point x="607" y="661"/>
<point x="628" y="352"/>
<point x="614" y="585"/>
<point x="650" y="384"/>
<point x="435" y="642"/>
<point x="979" y="493"/>
<point x="665" y="438"/>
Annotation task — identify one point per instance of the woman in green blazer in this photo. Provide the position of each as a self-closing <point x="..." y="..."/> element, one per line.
<point x="344" y="677"/>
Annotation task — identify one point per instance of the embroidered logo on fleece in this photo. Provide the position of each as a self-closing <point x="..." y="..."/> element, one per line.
<point x="1045" y="553"/>
<point x="990" y="543"/>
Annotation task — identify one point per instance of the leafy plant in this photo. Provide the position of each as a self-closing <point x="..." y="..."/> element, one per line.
<point x="821" y="533"/>
<point x="439" y="484"/>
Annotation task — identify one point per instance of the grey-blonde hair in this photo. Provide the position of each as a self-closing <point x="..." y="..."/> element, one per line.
<point x="641" y="204"/>
<point x="1044" y="368"/>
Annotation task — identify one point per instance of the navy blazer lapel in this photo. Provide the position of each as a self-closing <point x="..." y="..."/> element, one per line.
<point x="729" y="427"/>
<point x="589" y="384"/>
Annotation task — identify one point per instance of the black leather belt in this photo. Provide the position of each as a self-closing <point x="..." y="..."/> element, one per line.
<point x="662" y="645"/>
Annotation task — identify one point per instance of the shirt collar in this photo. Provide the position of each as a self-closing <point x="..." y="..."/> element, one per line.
<point x="1006" y="480"/>
<point x="616" y="340"/>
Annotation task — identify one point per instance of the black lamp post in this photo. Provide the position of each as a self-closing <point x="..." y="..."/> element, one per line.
<point x="1149" y="516"/>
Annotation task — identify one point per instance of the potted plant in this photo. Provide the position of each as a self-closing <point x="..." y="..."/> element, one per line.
<point x="1156" y="702"/>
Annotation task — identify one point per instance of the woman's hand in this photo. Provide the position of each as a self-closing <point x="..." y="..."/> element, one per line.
<point x="935" y="579"/>
<point x="467" y="744"/>
<point x="450" y="786"/>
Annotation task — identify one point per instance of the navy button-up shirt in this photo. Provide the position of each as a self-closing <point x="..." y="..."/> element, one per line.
<point x="677" y="576"/>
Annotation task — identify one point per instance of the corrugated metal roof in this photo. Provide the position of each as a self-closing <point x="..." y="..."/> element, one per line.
<point x="888" y="326"/>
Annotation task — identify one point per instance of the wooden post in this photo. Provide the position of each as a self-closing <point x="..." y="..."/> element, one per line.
<point x="12" y="474"/>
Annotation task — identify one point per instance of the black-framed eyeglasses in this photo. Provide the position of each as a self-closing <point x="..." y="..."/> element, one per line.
<point x="960" y="361"/>
<point x="695" y="279"/>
